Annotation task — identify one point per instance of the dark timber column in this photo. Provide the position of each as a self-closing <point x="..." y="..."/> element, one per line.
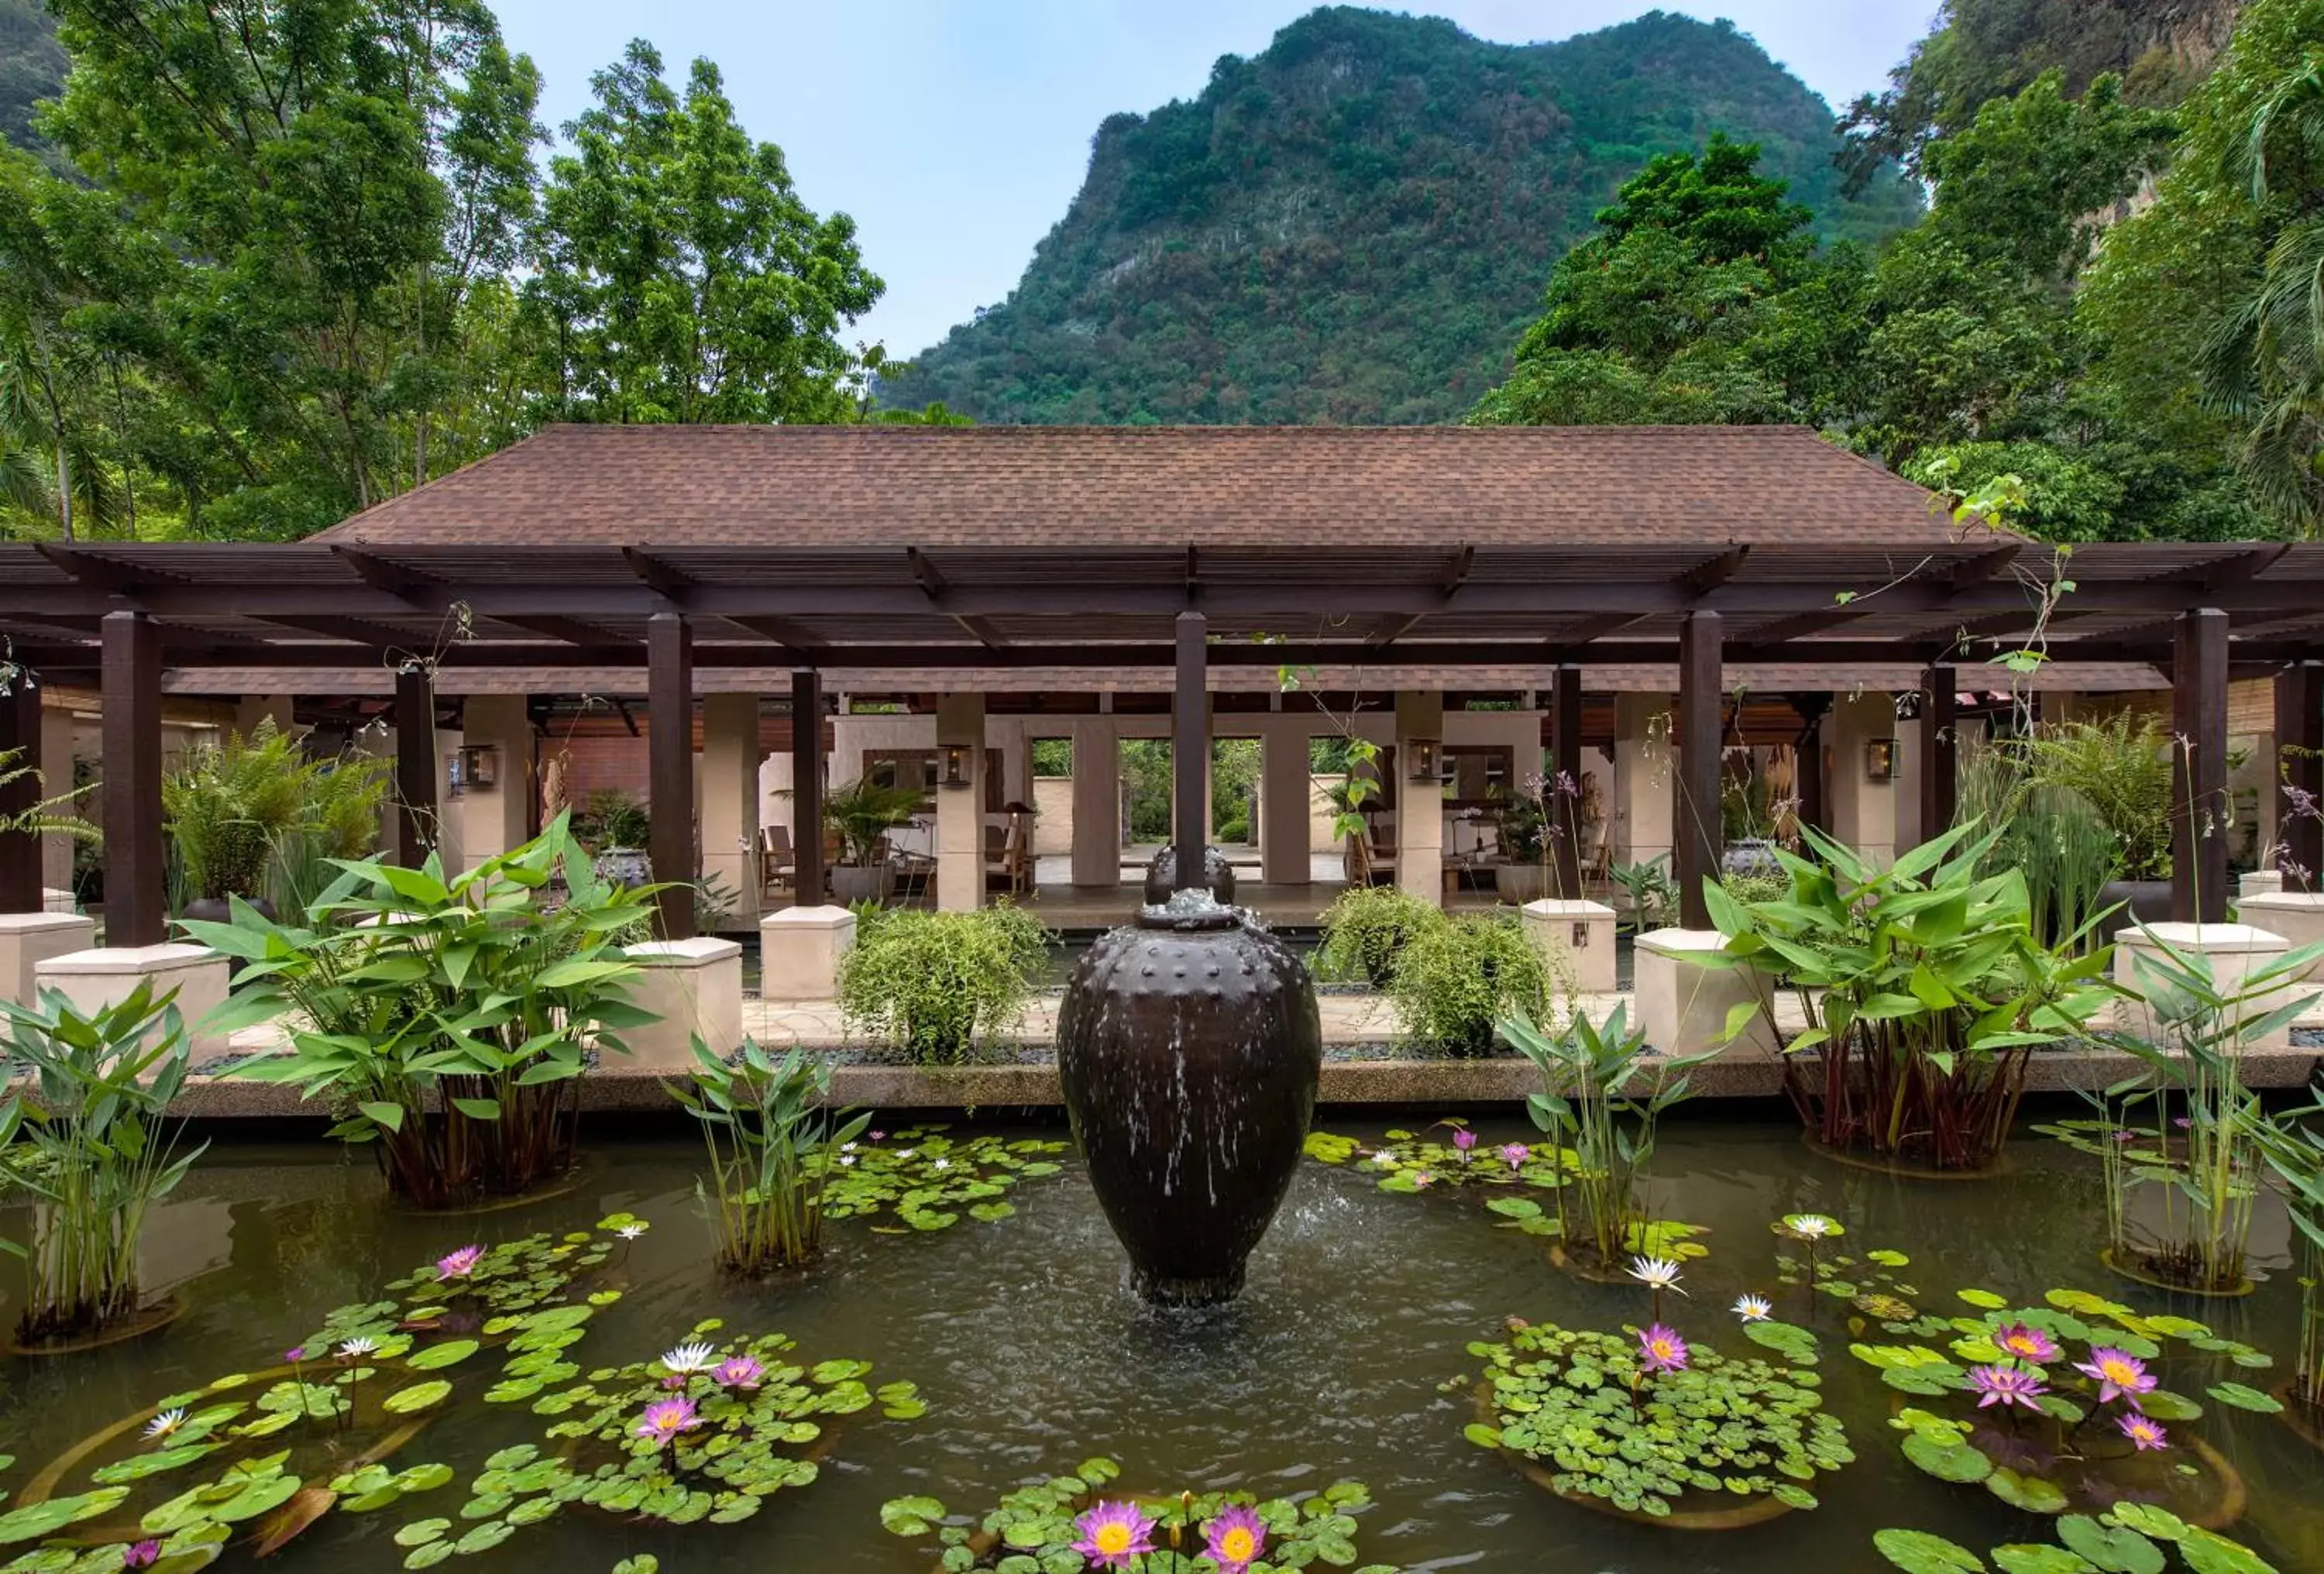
<point x="2200" y="813"/>
<point x="133" y="782"/>
<point x="669" y="745"/>
<point x="1565" y="760"/>
<point x="2299" y="756"/>
<point x="20" y="750"/>
<point x="1696" y="834"/>
<point x="415" y="764"/>
<point x="1815" y="794"/>
<point x="1190" y="748"/>
<point x="1940" y="752"/>
<point x="806" y="788"/>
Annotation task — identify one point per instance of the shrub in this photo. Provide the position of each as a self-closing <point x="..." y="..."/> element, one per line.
<point x="771" y="1139"/>
<point x="2121" y="768"/>
<point x="1365" y="929"/>
<point x="613" y="818"/>
<point x="246" y="816"/>
<point x="1459" y="978"/>
<point x="933" y="984"/>
<point x="447" y="1020"/>
<point x="82" y="1134"/>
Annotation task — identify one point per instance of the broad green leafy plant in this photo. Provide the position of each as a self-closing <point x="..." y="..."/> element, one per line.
<point x="935" y="984"/>
<point x="83" y="1133"/>
<point x="447" y="1019"/>
<point x="1923" y="987"/>
<point x="771" y="1138"/>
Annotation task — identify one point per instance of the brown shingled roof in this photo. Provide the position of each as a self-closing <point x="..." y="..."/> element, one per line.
<point x="1204" y="486"/>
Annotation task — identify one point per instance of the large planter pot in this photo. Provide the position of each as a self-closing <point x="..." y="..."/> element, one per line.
<point x="220" y="909"/>
<point x="1521" y="882"/>
<point x="1162" y="875"/>
<point x="855" y="882"/>
<point x="1752" y="857"/>
<point x="1188" y="1048"/>
<point x="2138" y="901"/>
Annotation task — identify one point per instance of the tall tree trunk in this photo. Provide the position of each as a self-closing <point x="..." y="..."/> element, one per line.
<point x="64" y="488"/>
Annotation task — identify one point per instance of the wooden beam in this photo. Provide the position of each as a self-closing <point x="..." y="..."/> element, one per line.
<point x="784" y="631"/>
<point x="806" y="788"/>
<point x="932" y="582"/>
<point x="1813" y="792"/>
<point x="1769" y="637"/>
<point x="1564" y="795"/>
<point x="381" y="575"/>
<point x="363" y="631"/>
<point x="88" y="568"/>
<point x="2202" y="815"/>
<point x="416" y="766"/>
<point x="20" y="751"/>
<point x="657" y="576"/>
<point x="2299" y="781"/>
<point x="1705" y="577"/>
<point x="1695" y="806"/>
<point x="568" y="631"/>
<point x="1940" y="754"/>
<point x="1190" y="748"/>
<point x="669" y="749"/>
<point x="133" y="862"/>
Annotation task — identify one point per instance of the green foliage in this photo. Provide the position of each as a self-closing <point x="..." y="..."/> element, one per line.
<point x="2122" y="769"/>
<point x="83" y="1133"/>
<point x="863" y="813"/>
<point x="1033" y="1528"/>
<point x="1456" y="982"/>
<point x="770" y="1137"/>
<point x="2049" y="833"/>
<point x="935" y="984"/>
<point x="611" y="818"/>
<point x="243" y="813"/>
<point x="925" y="1181"/>
<point x="1653" y="894"/>
<point x="1366" y="929"/>
<point x="1923" y="985"/>
<point x="32" y="69"/>
<point x="1351" y="226"/>
<point x="1721" y="1431"/>
<point x="446" y="1020"/>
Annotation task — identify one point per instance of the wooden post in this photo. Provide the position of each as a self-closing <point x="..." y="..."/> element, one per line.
<point x="806" y="788"/>
<point x="20" y="751"/>
<point x="134" y="878"/>
<point x="1565" y="768"/>
<point x="1940" y="758"/>
<point x="1695" y="828"/>
<point x="670" y="748"/>
<point x="415" y="764"/>
<point x="1190" y="748"/>
<point x="1810" y="788"/>
<point x="2300" y="760"/>
<point x="2201" y="815"/>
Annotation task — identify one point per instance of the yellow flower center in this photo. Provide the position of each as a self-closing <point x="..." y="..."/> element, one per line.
<point x="1114" y="1537"/>
<point x="2119" y="1372"/>
<point x="1238" y="1545"/>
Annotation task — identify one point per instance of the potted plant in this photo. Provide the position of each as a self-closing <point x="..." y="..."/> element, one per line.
<point x="1923" y="987"/>
<point x="83" y="1133"/>
<point x="863" y="813"/>
<point x="932" y="984"/>
<point x="1457" y="980"/>
<point x="1367" y="927"/>
<point x="1522" y="826"/>
<point x="2120" y="768"/>
<point x="446" y="1019"/>
<point x="231" y="807"/>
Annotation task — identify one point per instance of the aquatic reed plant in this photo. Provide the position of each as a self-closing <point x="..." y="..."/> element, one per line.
<point x="2294" y="1148"/>
<point x="2048" y="832"/>
<point x="772" y="1141"/>
<point x="83" y="1133"/>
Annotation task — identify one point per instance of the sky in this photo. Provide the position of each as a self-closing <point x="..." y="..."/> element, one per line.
<point x="956" y="132"/>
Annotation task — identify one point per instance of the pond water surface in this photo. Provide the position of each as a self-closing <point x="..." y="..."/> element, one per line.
<point x="1031" y="1355"/>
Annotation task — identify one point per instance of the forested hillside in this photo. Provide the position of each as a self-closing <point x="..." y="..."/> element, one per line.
<point x="1354" y="225"/>
<point x="32" y="68"/>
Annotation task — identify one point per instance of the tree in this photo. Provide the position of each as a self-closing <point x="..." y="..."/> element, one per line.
<point x="682" y="278"/>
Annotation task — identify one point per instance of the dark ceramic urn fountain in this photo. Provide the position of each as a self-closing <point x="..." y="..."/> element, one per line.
<point x="1189" y="1047"/>
<point x="1162" y="875"/>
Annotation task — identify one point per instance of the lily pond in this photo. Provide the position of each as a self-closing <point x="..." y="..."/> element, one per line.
<point x="343" y="1389"/>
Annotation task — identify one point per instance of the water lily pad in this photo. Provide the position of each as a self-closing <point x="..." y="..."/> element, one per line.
<point x="418" y="1396"/>
<point x="484" y="1538"/>
<point x="2026" y="1558"/>
<point x="137" y="1466"/>
<point x="1919" y="1552"/>
<point x="435" y="1357"/>
<point x="2030" y="1493"/>
<point x="2243" y="1397"/>
<point x="1984" y="1299"/>
<point x="428" y="1555"/>
<point x="910" y="1516"/>
<point x="2208" y="1553"/>
<point x="35" y="1520"/>
<point x="2164" y="1405"/>
<point x="1957" y="1462"/>
<point x="2113" y="1548"/>
<point x="1788" y="1339"/>
<point x="420" y="1532"/>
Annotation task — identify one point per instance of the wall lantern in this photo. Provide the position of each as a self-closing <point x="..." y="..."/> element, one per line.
<point x="1582" y="935"/>
<point x="956" y="764"/>
<point x="480" y="765"/>
<point x="1424" y="759"/>
<point x="1879" y="758"/>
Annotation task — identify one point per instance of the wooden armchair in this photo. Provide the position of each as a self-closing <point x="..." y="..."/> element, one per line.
<point x="777" y="863"/>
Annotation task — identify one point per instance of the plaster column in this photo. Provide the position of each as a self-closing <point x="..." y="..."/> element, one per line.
<point x="57" y="766"/>
<point x="499" y="817"/>
<point x="252" y="709"/>
<point x="1863" y="811"/>
<point x="730" y="800"/>
<point x="960" y="811"/>
<point x="1282" y="806"/>
<point x="1644" y="799"/>
<point x="1420" y="804"/>
<point x="1097" y="802"/>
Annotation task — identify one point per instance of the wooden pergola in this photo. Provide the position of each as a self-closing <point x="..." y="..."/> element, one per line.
<point x="123" y="614"/>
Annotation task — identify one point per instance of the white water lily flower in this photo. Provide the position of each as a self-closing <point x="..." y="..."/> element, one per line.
<point x="1384" y="1161"/>
<point x="1811" y="1226"/>
<point x="356" y="1348"/>
<point x="631" y="1231"/>
<point x="847" y="1147"/>
<point x="847" y="1158"/>
<point x="1753" y="1308"/>
<point x="907" y="1152"/>
<point x="694" y="1357"/>
<point x="1660" y="1273"/>
<point x="163" y="1424"/>
<point x="944" y="1163"/>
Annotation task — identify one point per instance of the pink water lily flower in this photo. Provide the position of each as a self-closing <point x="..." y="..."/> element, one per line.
<point x="738" y="1372"/>
<point x="2026" y="1343"/>
<point x="2005" y="1387"/>
<point x="140" y="1554"/>
<point x="1112" y="1534"/>
<point x="1661" y="1349"/>
<point x="1517" y="1153"/>
<point x="2118" y="1374"/>
<point x="2144" y="1431"/>
<point x="460" y="1264"/>
<point x="666" y="1418"/>
<point x="1464" y="1140"/>
<point x="1235" y="1539"/>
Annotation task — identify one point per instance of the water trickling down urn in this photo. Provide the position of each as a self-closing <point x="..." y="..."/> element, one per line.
<point x="1189" y="1046"/>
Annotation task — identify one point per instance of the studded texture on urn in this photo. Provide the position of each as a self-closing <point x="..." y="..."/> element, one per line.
<point x="1189" y="1048"/>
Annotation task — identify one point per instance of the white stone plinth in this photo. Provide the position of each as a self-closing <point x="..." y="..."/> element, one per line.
<point x="2236" y="952"/>
<point x="59" y="901"/>
<point x="2297" y="915"/>
<point x="1683" y="998"/>
<point x="29" y="939"/>
<point x="1576" y="939"/>
<point x="96" y="979"/>
<point x="799" y="949"/>
<point x="696" y="987"/>
<point x="2258" y="882"/>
